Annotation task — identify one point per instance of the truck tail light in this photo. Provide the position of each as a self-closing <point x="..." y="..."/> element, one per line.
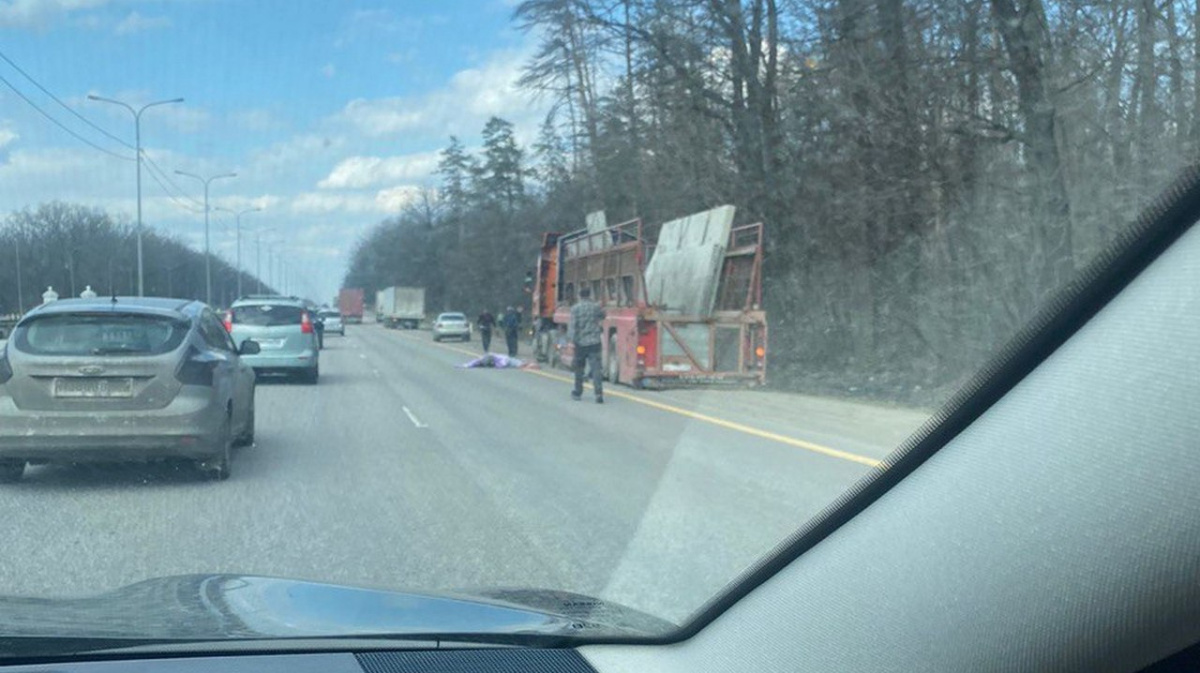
<point x="306" y="326"/>
<point x="760" y="352"/>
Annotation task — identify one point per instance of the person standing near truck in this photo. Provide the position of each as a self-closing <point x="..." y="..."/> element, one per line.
<point x="511" y="322"/>
<point x="585" y="331"/>
<point x="486" y="323"/>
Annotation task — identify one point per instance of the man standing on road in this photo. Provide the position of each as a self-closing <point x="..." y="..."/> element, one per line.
<point x="486" y="323"/>
<point x="511" y="322"/>
<point x="585" y="331"/>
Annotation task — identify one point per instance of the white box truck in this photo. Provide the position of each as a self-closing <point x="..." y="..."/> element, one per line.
<point x="402" y="307"/>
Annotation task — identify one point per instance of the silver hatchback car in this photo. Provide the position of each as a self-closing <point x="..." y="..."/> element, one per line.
<point x="125" y="378"/>
<point x="285" y="330"/>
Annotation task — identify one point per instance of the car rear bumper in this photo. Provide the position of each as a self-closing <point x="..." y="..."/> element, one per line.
<point x="452" y="333"/>
<point x="268" y="361"/>
<point x="186" y="428"/>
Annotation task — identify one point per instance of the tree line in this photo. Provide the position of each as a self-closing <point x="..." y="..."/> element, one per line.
<point x="929" y="171"/>
<point x="70" y="247"/>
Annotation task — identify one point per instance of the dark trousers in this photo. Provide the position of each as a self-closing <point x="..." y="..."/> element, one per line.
<point x="588" y="357"/>
<point x="511" y="339"/>
<point x="485" y="335"/>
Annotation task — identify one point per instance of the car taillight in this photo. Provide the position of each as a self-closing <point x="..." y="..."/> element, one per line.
<point x="229" y="321"/>
<point x="306" y="326"/>
<point x="196" y="369"/>
<point x="6" y="371"/>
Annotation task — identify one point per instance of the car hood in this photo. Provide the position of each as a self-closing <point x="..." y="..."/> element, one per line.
<point x="223" y="607"/>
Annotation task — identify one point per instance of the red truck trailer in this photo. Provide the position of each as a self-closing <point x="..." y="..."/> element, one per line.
<point x="350" y="304"/>
<point x="720" y="338"/>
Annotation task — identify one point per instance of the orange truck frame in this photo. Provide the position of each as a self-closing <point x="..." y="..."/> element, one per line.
<point x="646" y="345"/>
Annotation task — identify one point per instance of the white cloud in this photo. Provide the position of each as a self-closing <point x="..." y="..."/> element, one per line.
<point x="462" y="106"/>
<point x="328" y="70"/>
<point x="396" y="198"/>
<point x="359" y="172"/>
<point x="134" y="22"/>
<point x="39" y="13"/>
<point x="256" y="119"/>
<point x="7" y="137"/>
<point x="326" y="203"/>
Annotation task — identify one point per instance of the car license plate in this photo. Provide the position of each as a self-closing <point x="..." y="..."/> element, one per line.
<point x="270" y="343"/>
<point x="93" y="388"/>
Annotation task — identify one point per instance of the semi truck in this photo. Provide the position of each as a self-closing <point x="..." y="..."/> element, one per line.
<point x="350" y="304"/>
<point x="402" y="307"/>
<point x="686" y="310"/>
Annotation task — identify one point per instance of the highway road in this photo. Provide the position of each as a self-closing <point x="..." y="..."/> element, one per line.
<point x="401" y="470"/>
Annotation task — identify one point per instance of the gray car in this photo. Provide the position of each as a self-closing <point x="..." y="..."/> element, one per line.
<point x="286" y="332"/>
<point x="123" y="378"/>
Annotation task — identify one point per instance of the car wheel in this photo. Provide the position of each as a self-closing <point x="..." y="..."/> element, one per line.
<point x="11" y="471"/>
<point x="467" y="338"/>
<point x="313" y="375"/>
<point x="437" y="339"/>
<point x="218" y="466"/>
<point x="247" y="436"/>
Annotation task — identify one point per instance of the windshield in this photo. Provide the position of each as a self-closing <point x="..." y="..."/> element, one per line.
<point x="716" y="261"/>
<point x="104" y="334"/>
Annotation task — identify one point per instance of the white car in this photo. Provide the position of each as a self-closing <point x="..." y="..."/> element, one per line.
<point x="451" y="326"/>
<point x="332" y="320"/>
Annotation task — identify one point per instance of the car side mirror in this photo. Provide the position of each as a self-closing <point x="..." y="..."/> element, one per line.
<point x="249" y="347"/>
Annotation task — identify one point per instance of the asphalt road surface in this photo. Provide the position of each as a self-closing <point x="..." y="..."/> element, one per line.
<point x="400" y="470"/>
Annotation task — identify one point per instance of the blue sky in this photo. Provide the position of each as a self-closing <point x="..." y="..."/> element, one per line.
<point x="331" y="112"/>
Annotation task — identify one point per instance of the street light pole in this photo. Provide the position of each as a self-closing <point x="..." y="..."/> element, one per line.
<point x="207" y="252"/>
<point x="137" y="134"/>
<point x="20" y="299"/>
<point x="238" y="229"/>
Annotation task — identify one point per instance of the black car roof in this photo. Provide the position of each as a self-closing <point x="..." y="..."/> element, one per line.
<point x="160" y="306"/>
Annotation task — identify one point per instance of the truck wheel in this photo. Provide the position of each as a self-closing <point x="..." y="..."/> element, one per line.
<point x="614" y="363"/>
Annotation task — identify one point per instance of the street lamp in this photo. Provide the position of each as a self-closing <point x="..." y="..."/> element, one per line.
<point x="137" y="133"/>
<point x="238" y="228"/>
<point x="258" y="256"/>
<point x="207" y="253"/>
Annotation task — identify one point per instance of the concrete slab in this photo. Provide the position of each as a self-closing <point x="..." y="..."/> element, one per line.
<point x="683" y="273"/>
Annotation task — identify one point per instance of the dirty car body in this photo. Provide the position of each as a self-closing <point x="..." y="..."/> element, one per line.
<point x="121" y="379"/>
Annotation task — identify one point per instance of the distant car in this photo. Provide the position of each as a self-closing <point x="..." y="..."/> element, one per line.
<point x="124" y="379"/>
<point x="333" y="322"/>
<point x="286" y="334"/>
<point x="451" y="326"/>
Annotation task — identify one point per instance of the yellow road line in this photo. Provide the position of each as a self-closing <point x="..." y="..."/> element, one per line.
<point x="730" y="425"/>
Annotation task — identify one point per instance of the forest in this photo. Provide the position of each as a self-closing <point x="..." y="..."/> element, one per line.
<point x="929" y="171"/>
<point x="70" y="247"/>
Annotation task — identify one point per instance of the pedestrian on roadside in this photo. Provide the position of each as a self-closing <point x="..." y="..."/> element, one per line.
<point x="486" y="323"/>
<point x="584" y="332"/>
<point x="511" y="322"/>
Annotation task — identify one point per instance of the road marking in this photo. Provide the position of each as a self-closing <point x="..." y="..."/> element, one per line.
<point x="730" y="425"/>
<point x="413" y="418"/>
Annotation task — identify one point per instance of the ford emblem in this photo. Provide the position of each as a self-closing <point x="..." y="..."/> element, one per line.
<point x="91" y="370"/>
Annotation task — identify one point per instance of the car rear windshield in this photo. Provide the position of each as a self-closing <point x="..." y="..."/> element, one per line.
<point x="330" y="314"/>
<point x="267" y="315"/>
<point x="452" y="316"/>
<point x="104" y="334"/>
